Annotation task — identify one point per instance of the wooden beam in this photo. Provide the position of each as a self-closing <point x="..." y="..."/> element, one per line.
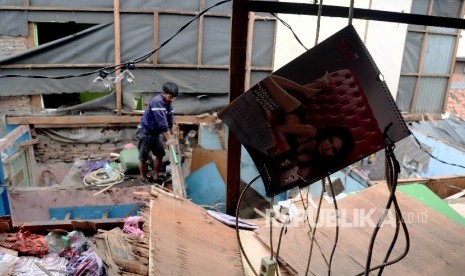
<point x="453" y="64"/>
<point x="117" y="41"/>
<point x="200" y="35"/>
<point x="26" y="143"/>
<point x="110" y="10"/>
<point x="366" y="14"/>
<point x="421" y="117"/>
<point x="9" y="139"/>
<point x="56" y="65"/>
<point x="248" y="58"/>
<point x="44" y="227"/>
<point x="177" y="176"/>
<point x="239" y="26"/>
<point x="36" y="103"/>
<point x="139" y="65"/>
<point x="95" y="121"/>
<point x="73" y="120"/>
<point x="156" y="27"/>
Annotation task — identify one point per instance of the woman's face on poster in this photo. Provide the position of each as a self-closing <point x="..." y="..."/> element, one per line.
<point x="330" y="146"/>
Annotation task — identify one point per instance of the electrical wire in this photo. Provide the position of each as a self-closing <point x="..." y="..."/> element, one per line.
<point x="290" y="28"/>
<point x="432" y="156"/>
<point x="282" y="232"/>
<point x="180" y="30"/>
<point x="336" y="238"/>
<point x="314" y="229"/>
<point x="131" y="64"/>
<point x="310" y="226"/>
<point x="320" y="10"/>
<point x="392" y="172"/>
<point x="271" y="227"/>
<point x="391" y="246"/>
<point x="351" y="11"/>
<point x="237" y="224"/>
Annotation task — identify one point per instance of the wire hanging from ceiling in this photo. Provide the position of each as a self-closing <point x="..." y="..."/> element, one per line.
<point x="318" y="20"/>
<point x="104" y="72"/>
<point x="351" y="11"/>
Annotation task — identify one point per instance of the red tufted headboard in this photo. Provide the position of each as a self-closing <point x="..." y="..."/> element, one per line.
<point x="344" y="104"/>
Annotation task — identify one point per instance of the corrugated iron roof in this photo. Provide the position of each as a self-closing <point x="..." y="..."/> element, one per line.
<point x="450" y="131"/>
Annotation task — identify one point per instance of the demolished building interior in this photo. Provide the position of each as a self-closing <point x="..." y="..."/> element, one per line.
<point x="200" y="221"/>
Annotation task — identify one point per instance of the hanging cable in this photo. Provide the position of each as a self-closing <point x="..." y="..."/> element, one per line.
<point x="115" y="68"/>
<point x="314" y="228"/>
<point x="237" y="224"/>
<point x="282" y="232"/>
<point x="320" y="9"/>
<point x="310" y="226"/>
<point x="336" y="238"/>
<point x="392" y="172"/>
<point x="432" y="156"/>
<point x="272" y="214"/>
<point x="391" y="246"/>
<point x="290" y="28"/>
<point x="351" y="11"/>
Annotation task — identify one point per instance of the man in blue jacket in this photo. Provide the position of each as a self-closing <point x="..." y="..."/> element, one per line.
<point x="157" y="119"/>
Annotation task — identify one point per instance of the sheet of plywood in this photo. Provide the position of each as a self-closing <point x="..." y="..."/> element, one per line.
<point x="185" y="240"/>
<point x="434" y="240"/>
<point x="201" y="156"/>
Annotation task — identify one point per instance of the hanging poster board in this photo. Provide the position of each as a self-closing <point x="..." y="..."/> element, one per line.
<point x="321" y="112"/>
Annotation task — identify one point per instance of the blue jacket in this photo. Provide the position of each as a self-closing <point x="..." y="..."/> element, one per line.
<point x="158" y="117"/>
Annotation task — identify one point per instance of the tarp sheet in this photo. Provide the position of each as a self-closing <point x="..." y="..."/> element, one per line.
<point x="202" y="89"/>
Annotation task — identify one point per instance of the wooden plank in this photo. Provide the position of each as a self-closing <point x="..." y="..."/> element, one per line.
<point x="72" y="120"/>
<point x="248" y="61"/>
<point x="26" y="143"/>
<point x="56" y="66"/>
<point x="117" y="41"/>
<point x="100" y="246"/>
<point x="156" y="31"/>
<point x="80" y="121"/>
<point x="9" y="139"/>
<point x="434" y="239"/>
<point x="365" y="14"/>
<point x="185" y="240"/>
<point x="177" y="176"/>
<point x="42" y="227"/>
<point x="200" y="35"/>
<point x="149" y="66"/>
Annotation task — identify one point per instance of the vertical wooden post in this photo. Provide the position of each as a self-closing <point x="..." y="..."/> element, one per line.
<point x="239" y="24"/>
<point x="117" y="40"/>
<point x="248" y="59"/>
<point x="156" y="31"/>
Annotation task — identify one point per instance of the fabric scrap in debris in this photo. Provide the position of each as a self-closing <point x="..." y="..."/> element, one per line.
<point x="27" y="265"/>
<point x="131" y="226"/>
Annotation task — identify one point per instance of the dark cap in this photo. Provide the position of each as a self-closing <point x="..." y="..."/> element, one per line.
<point x="170" y="88"/>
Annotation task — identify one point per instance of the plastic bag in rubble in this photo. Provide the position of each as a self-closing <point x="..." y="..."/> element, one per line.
<point x="78" y="241"/>
<point x="57" y="242"/>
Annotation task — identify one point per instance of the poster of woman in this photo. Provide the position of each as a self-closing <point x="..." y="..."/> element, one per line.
<point x="318" y="114"/>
